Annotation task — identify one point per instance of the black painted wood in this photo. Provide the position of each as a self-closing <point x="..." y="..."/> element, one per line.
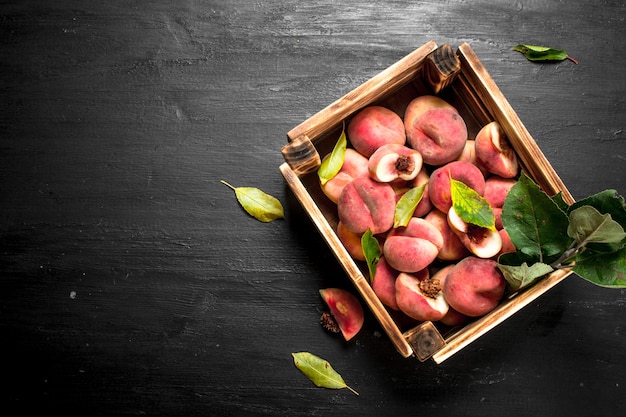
<point x="131" y="282"/>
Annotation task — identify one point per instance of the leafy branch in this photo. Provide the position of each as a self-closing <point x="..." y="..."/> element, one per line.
<point x="587" y="236"/>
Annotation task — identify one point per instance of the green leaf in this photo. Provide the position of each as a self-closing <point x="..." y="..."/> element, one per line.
<point x="534" y="222"/>
<point x="406" y="206"/>
<point x="257" y="203"/>
<point x="606" y="202"/>
<point x="332" y="164"/>
<point x="522" y="276"/>
<point x="601" y="268"/>
<point x="543" y="53"/>
<point x="319" y="371"/>
<point x="587" y="224"/>
<point x="371" y="250"/>
<point x="560" y="202"/>
<point x="471" y="206"/>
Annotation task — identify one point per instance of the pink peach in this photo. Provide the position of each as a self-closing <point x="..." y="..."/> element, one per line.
<point x="373" y="127"/>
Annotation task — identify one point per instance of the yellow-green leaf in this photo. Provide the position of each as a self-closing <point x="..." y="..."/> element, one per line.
<point x="471" y="206"/>
<point x="319" y="371"/>
<point x="257" y="203"/>
<point x="405" y="207"/>
<point x="332" y="164"/>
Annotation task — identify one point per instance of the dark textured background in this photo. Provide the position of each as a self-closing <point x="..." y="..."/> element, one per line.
<point x="132" y="283"/>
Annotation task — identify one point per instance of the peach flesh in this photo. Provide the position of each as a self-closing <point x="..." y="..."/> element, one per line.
<point x="373" y="127"/>
<point x="474" y="286"/>
<point x="345" y="309"/>
<point x="367" y="204"/>
<point x="481" y="241"/>
<point x="392" y="161"/>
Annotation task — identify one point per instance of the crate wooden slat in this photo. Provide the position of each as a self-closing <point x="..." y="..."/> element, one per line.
<point x="460" y="78"/>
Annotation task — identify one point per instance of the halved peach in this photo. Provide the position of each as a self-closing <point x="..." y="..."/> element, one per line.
<point x="345" y="309"/>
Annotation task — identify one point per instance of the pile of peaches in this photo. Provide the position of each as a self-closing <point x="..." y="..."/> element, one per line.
<point x="437" y="267"/>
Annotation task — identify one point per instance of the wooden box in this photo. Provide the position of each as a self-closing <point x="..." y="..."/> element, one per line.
<point x="460" y="78"/>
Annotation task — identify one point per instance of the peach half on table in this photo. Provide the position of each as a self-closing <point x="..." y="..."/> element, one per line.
<point x="346" y="309"/>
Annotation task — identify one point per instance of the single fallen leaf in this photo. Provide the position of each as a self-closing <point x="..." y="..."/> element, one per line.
<point x="543" y="53"/>
<point x="319" y="371"/>
<point x="257" y="203"/>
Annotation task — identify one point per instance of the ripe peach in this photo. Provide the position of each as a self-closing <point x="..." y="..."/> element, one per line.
<point x="345" y="309"/>
<point x="439" y="185"/>
<point x="354" y="166"/>
<point x="367" y="204"/>
<point x="438" y="132"/>
<point x="414" y="247"/>
<point x="420" y="105"/>
<point x="496" y="190"/>
<point x="351" y="241"/>
<point x="481" y="241"/>
<point x="373" y="127"/>
<point x="384" y="283"/>
<point x="452" y="249"/>
<point x="420" y="297"/>
<point x="474" y="286"/>
<point x="494" y="152"/>
<point x="392" y="161"/>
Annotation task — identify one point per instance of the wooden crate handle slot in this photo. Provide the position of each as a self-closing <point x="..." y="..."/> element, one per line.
<point x="440" y="68"/>
<point x="425" y="340"/>
<point x="301" y="155"/>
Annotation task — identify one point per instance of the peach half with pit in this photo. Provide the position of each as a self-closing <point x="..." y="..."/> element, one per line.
<point x="393" y="162"/>
<point x="414" y="247"/>
<point x="494" y="152"/>
<point x="438" y="132"/>
<point x="354" y="166"/>
<point x="346" y="309"/>
<point x="373" y="127"/>
<point x="420" y="297"/>
<point x="367" y="204"/>
<point x="474" y="286"/>
<point x="439" y="185"/>
<point x="481" y="241"/>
